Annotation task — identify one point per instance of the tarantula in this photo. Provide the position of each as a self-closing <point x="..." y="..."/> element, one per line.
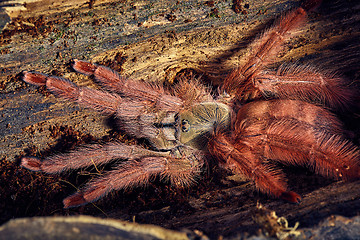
<point x="259" y="118"/>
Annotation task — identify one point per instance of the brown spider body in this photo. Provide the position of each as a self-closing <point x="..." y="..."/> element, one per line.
<point x="262" y="116"/>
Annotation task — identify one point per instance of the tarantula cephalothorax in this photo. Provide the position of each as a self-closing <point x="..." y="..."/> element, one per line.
<point x="261" y="116"/>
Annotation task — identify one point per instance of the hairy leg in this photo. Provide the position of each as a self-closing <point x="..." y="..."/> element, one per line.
<point x="85" y="156"/>
<point x="136" y="118"/>
<point x="306" y="113"/>
<point x="179" y="167"/>
<point x="290" y="132"/>
<point x="132" y="174"/>
<point x="137" y="90"/>
<point x="102" y="101"/>
<point x="307" y="138"/>
<point x="328" y="154"/>
<point x="240" y="82"/>
<point x="307" y="84"/>
<point x="129" y="174"/>
<point x="241" y="158"/>
<point x="289" y="143"/>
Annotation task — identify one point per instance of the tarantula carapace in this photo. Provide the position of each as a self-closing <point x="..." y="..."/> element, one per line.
<point x="260" y="117"/>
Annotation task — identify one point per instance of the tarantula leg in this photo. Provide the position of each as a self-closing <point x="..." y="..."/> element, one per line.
<point x="128" y="174"/>
<point x="132" y="113"/>
<point x="142" y="91"/>
<point x="306" y="136"/>
<point x="291" y="196"/>
<point x="291" y="142"/>
<point x="307" y="84"/>
<point x="31" y="163"/>
<point x="180" y="168"/>
<point x="241" y="158"/>
<point x="134" y="173"/>
<point x="99" y="100"/>
<point x="94" y="154"/>
<point x="240" y="81"/>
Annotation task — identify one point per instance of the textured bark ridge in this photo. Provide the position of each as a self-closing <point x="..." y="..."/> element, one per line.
<point x="150" y="42"/>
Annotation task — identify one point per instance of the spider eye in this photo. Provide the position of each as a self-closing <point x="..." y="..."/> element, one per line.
<point x="185" y="126"/>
